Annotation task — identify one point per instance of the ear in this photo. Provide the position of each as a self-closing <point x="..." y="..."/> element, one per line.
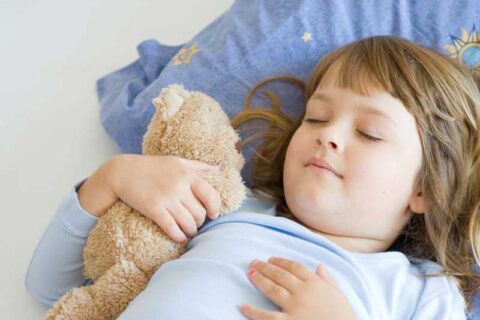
<point x="417" y="202"/>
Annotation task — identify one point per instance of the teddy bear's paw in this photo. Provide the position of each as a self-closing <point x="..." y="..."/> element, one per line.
<point x="77" y="304"/>
<point x="103" y="300"/>
<point x="171" y="98"/>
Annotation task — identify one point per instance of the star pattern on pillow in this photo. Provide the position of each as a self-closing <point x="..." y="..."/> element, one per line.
<point x="307" y="36"/>
<point x="185" y="54"/>
<point x="466" y="50"/>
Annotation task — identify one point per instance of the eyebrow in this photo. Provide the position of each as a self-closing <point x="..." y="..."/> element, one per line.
<point x="365" y="107"/>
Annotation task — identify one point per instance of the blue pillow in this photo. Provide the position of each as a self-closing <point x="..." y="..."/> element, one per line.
<point x="257" y="39"/>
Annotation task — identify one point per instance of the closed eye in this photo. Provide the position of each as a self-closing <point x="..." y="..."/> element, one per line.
<point x="374" y="139"/>
<point x="370" y="137"/>
<point x="313" y="120"/>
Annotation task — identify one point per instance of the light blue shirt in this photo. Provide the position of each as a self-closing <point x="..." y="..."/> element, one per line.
<point x="209" y="281"/>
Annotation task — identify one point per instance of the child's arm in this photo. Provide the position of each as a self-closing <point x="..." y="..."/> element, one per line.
<point x="165" y="189"/>
<point x="57" y="263"/>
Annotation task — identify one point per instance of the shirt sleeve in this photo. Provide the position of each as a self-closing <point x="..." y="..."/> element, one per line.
<point x="445" y="306"/>
<point x="57" y="262"/>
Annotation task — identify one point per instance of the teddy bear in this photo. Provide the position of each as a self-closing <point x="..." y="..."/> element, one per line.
<point x="124" y="248"/>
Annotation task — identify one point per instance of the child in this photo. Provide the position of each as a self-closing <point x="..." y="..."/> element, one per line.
<point x="394" y="123"/>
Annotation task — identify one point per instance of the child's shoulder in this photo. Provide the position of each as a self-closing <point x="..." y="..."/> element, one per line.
<point x="441" y="283"/>
<point x="424" y="265"/>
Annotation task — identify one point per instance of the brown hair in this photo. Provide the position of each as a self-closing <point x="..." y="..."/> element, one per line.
<point x="444" y="97"/>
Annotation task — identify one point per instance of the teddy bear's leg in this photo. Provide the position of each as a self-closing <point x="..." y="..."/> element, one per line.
<point x="105" y="299"/>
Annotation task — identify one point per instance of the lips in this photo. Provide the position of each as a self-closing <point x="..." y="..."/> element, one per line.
<point x="322" y="164"/>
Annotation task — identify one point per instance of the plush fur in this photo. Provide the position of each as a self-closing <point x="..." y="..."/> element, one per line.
<point x="125" y="248"/>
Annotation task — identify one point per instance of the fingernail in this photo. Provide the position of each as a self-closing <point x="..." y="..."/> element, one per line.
<point x="244" y="308"/>
<point x="251" y="272"/>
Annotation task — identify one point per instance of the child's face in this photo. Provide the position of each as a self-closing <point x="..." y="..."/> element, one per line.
<point x="366" y="207"/>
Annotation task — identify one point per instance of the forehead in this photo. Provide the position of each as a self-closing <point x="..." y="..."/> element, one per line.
<point x="361" y="81"/>
<point x="379" y="104"/>
<point x="360" y="90"/>
<point x="376" y="101"/>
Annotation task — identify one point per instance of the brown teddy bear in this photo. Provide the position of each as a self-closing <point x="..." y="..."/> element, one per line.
<point x="125" y="248"/>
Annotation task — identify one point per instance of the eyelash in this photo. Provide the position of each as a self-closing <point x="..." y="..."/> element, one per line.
<point x="363" y="134"/>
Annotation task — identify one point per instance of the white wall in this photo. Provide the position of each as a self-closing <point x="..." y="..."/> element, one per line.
<point x="51" y="54"/>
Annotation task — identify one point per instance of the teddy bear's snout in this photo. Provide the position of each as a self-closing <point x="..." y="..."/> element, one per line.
<point x="238" y="146"/>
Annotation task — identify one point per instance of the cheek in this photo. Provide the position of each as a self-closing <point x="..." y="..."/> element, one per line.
<point x="374" y="170"/>
<point x="297" y="142"/>
<point x="291" y="149"/>
<point x="292" y="156"/>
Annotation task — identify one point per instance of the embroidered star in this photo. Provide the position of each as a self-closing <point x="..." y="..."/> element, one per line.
<point x="184" y="55"/>
<point x="307" y="36"/>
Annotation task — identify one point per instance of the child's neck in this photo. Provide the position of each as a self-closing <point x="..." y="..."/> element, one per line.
<point x="361" y="245"/>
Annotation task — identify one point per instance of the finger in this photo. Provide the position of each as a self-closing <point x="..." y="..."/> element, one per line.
<point x="254" y="313"/>
<point x="207" y="195"/>
<point x="166" y="222"/>
<point x="274" y="292"/>
<point x="278" y="275"/>
<point x="322" y="272"/>
<point x="295" y="268"/>
<point x="196" y="209"/>
<point x="183" y="218"/>
<point x="200" y="165"/>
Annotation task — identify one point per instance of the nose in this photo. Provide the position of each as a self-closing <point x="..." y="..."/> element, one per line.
<point x="330" y="138"/>
<point x="333" y="144"/>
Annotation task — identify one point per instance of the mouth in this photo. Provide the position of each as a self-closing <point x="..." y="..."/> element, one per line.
<point x="318" y="163"/>
<point x="322" y="170"/>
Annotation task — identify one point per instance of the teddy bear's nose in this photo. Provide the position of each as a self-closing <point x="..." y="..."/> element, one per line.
<point x="238" y="146"/>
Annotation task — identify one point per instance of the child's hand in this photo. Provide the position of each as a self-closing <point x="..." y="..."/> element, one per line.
<point x="168" y="190"/>
<point x="300" y="293"/>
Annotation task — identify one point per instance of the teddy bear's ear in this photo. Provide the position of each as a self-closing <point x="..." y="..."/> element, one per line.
<point x="171" y="98"/>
